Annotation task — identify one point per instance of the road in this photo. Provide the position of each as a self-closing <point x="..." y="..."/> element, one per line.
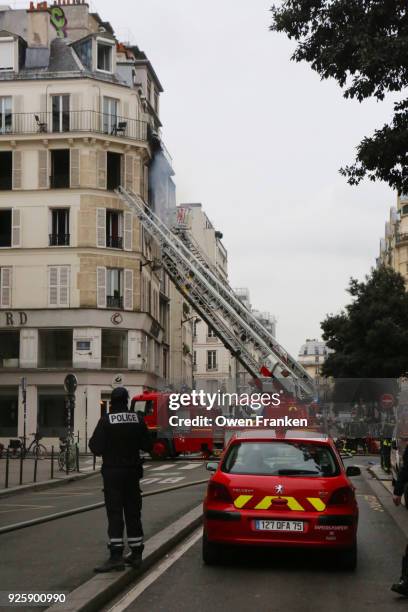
<point x="61" y="555"/>
<point x="275" y="581"/>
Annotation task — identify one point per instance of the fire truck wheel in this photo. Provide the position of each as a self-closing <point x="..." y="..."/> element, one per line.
<point x="159" y="450"/>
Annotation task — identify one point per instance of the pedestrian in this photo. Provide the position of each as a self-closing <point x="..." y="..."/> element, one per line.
<point x="119" y="437"/>
<point x="401" y="587"/>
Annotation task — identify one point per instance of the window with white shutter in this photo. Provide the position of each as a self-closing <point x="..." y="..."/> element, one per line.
<point x="5" y="287"/>
<point x="43" y="169"/>
<point x="101" y="227"/>
<point x="75" y="167"/>
<point x="64" y="286"/>
<point x="7" y="55"/>
<point x="128" y="172"/>
<point x="58" y="286"/>
<point x="127" y="231"/>
<point x="17" y="169"/>
<point x="16" y="227"/>
<point x="101" y="287"/>
<point x="128" y="290"/>
<point x="137" y="175"/>
<point x="101" y="169"/>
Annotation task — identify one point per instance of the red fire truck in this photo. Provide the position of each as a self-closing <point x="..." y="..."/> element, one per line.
<point x="170" y="441"/>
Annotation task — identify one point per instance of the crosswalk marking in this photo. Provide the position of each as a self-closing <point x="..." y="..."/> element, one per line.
<point x="160" y="468"/>
<point x="190" y="466"/>
<point x="172" y="480"/>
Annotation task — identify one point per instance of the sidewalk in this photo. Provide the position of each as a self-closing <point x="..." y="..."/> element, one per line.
<point x="385" y="479"/>
<point x="43" y="470"/>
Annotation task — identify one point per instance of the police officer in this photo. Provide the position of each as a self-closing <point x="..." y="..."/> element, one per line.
<point x="118" y="437"/>
<point x="401" y="587"/>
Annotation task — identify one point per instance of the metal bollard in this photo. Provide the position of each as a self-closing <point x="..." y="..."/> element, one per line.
<point x="6" y="484"/>
<point x="67" y="459"/>
<point x="35" y="468"/>
<point x="22" y="456"/>
<point x="52" y="462"/>
<point x="77" y="457"/>
<point x="94" y="462"/>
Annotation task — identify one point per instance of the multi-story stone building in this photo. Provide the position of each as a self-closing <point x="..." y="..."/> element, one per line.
<point x="81" y="289"/>
<point x="312" y="356"/>
<point x="267" y="320"/>
<point x="199" y="358"/>
<point x="394" y="245"/>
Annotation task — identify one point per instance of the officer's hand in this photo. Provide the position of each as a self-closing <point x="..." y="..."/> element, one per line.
<point x="396" y="499"/>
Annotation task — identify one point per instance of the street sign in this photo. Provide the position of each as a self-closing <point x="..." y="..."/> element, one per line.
<point x="70" y="383"/>
<point x="118" y="381"/>
<point x="387" y="401"/>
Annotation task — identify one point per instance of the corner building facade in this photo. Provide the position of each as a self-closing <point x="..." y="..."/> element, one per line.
<point x="79" y="288"/>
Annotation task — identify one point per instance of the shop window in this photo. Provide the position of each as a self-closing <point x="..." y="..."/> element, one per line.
<point x="8" y="412"/>
<point x="55" y="348"/>
<point x="9" y="349"/>
<point x="114" y="348"/>
<point x="52" y="413"/>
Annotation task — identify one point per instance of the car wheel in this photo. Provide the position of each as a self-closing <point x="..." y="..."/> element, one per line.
<point x="348" y="558"/>
<point x="210" y="551"/>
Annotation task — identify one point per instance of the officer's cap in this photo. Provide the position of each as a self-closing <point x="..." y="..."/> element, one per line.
<point x="120" y="394"/>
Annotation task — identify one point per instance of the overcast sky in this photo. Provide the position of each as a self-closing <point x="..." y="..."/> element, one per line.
<point x="259" y="140"/>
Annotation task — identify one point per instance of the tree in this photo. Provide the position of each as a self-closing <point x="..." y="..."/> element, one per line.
<point x="370" y="338"/>
<point x="363" y="45"/>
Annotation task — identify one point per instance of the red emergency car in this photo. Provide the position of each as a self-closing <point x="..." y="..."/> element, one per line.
<point x="288" y="489"/>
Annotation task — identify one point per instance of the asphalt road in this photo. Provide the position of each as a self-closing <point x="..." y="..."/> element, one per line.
<point x="275" y="582"/>
<point x="61" y="555"/>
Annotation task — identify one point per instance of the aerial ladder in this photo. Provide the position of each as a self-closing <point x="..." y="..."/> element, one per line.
<point x="216" y="303"/>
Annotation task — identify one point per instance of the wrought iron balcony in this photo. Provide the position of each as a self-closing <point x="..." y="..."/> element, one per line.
<point x="400" y="238"/>
<point x="15" y="124"/>
<point x="114" y="302"/>
<point x="114" y="242"/>
<point x="59" y="239"/>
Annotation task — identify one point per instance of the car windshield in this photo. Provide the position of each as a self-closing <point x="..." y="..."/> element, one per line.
<point x="145" y="406"/>
<point x="281" y="459"/>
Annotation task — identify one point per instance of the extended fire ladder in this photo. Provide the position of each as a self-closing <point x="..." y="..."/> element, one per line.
<point x="215" y="301"/>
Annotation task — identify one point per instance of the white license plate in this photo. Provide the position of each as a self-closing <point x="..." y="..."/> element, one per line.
<point x="267" y="525"/>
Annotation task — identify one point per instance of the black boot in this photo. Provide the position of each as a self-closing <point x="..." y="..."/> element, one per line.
<point x="115" y="563"/>
<point x="134" y="558"/>
<point x="401" y="587"/>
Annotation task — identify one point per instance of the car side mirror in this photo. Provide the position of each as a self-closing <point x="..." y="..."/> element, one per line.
<point x="353" y="470"/>
<point x="212" y="466"/>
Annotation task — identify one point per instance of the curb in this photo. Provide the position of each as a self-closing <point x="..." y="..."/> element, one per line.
<point x="387" y="477"/>
<point x="46" y="484"/>
<point x="102" y="588"/>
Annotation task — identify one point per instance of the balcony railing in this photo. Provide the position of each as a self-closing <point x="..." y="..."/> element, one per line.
<point x="114" y="242"/>
<point x="401" y="238"/>
<point x="114" y="302"/>
<point x="59" y="239"/>
<point x="74" y="121"/>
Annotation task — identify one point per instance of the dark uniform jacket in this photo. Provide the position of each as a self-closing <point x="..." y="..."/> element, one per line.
<point x="403" y="475"/>
<point x="118" y="437"/>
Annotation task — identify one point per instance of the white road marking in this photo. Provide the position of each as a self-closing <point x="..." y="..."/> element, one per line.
<point x="163" y="467"/>
<point x="16" y="507"/>
<point x="191" y="466"/>
<point x="149" y="480"/>
<point x="155" y="573"/>
<point x="171" y="480"/>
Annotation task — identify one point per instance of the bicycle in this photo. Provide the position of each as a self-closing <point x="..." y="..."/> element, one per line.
<point x="19" y="449"/>
<point x="67" y="454"/>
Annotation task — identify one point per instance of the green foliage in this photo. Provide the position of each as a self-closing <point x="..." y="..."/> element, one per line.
<point x="370" y="338"/>
<point x="363" y="45"/>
